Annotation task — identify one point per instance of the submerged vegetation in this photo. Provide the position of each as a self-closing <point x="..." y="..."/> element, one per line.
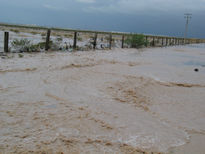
<point x="136" y="41"/>
<point x="25" y="45"/>
<point x="22" y="45"/>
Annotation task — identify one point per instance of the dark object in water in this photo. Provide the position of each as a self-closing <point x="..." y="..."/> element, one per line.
<point x="196" y="69"/>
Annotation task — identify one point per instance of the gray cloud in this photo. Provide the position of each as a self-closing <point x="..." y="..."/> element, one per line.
<point x="137" y="6"/>
<point x="163" y="17"/>
<point x="86" y="1"/>
<point x="52" y="7"/>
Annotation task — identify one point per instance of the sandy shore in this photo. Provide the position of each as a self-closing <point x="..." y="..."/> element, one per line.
<point x="118" y="101"/>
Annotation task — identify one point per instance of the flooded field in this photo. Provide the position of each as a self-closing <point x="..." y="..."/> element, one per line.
<point x="112" y="101"/>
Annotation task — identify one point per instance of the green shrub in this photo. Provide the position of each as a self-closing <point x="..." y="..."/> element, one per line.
<point x="68" y="35"/>
<point x="43" y="44"/>
<point x="21" y="45"/>
<point x="20" y="56"/>
<point x="79" y="38"/>
<point x="59" y="39"/>
<point x="24" y="45"/>
<point x="34" y="48"/>
<point x="136" y="41"/>
<point x="34" y="33"/>
<point x="15" y="30"/>
<point x="43" y="34"/>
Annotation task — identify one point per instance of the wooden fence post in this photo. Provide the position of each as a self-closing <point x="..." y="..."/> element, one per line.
<point x="153" y="42"/>
<point x="47" y="40"/>
<point x="75" y="40"/>
<point x="166" y="41"/>
<point x="95" y="41"/>
<point x="110" y="43"/>
<point x="6" y="42"/>
<point x="146" y="39"/>
<point x="123" y="39"/>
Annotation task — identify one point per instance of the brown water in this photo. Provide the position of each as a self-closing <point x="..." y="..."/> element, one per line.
<point x="119" y="101"/>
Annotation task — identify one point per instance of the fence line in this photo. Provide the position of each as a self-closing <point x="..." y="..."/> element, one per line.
<point x="165" y="40"/>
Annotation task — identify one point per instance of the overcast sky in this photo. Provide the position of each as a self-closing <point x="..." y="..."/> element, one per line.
<point x="162" y="17"/>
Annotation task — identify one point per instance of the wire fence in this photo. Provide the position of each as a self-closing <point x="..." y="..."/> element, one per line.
<point x="68" y="40"/>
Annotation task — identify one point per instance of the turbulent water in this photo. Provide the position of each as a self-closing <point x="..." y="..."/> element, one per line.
<point x="118" y="101"/>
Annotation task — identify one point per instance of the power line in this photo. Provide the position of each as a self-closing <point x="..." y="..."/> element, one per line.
<point x="187" y="16"/>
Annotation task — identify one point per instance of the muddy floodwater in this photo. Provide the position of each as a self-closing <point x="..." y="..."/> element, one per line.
<point x="115" y="101"/>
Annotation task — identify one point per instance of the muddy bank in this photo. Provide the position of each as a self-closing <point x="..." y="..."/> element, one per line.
<point x="119" y="101"/>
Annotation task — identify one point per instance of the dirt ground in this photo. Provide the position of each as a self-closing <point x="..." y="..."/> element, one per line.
<point x="116" y="101"/>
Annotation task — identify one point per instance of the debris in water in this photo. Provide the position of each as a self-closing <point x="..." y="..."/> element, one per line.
<point x="196" y="69"/>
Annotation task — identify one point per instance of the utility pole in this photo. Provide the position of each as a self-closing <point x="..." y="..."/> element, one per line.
<point x="187" y="16"/>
